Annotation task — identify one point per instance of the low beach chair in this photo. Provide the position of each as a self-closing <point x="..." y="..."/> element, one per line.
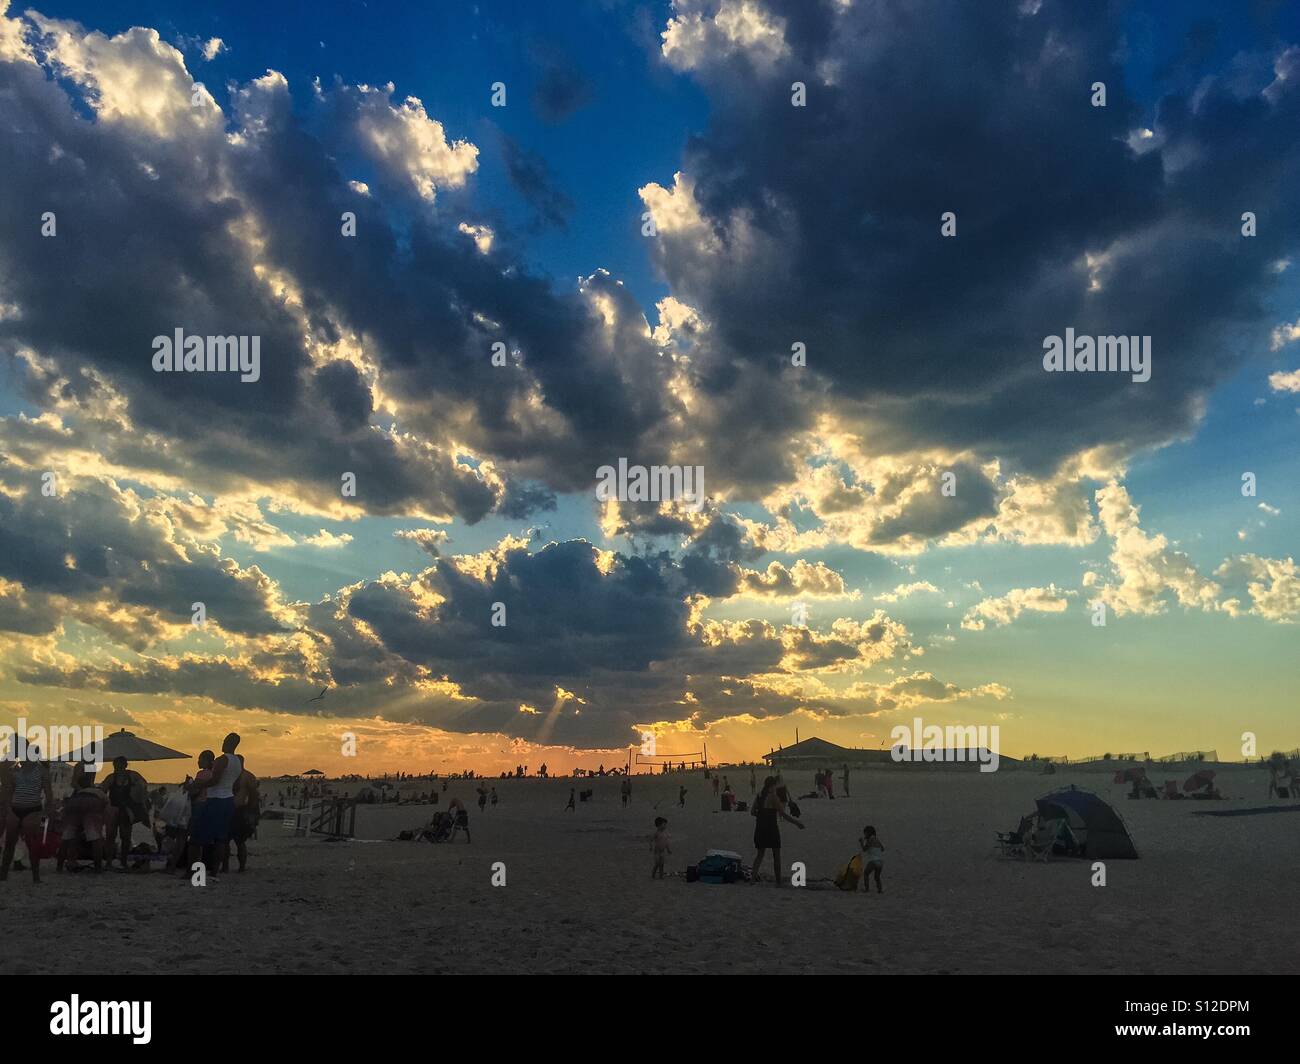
<point x="1011" y="845"/>
<point x="1038" y="847"/>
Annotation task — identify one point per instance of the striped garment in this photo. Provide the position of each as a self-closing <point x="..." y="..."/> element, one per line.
<point x="27" y="785"/>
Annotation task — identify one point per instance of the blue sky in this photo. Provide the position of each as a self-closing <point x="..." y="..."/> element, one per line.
<point x="789" y="224"/>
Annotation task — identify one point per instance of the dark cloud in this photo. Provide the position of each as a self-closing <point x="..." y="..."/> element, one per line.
<point x="821" y="224"/>
<point x="561" y="88"/>
<point x="532" y="179"/>
<point x="161" y="225"/>
<point x="103" y="556"/>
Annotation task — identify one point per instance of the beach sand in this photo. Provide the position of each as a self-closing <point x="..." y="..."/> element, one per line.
<point x="1208" y="895"/>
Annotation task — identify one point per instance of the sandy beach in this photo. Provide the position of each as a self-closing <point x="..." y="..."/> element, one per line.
<point x="1208" y="894"/>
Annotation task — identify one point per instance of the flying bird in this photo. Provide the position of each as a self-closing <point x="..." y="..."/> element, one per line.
<point x="320" y="697"/>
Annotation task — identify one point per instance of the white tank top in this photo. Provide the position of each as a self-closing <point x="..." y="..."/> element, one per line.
<point x="225" y="787"/>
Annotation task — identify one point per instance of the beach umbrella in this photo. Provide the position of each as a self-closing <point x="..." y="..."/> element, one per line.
<point x="130" y="746"/>
<point x="1198" y="780"/>
<point x="313" y="772"/>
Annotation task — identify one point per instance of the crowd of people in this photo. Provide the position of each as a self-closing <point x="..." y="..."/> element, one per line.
<point x="219" y="806"/>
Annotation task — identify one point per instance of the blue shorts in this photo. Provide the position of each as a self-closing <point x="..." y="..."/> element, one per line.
<point x="213" y="823"/>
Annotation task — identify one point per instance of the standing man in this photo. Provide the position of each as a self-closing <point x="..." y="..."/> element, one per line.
<point x="213" y="829"/>
<point x="126" y="794"/>
<point x="844" y="778"/>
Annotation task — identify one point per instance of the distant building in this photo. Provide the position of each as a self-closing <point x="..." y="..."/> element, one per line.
<point x="817" y="753"/>
<point x="814" y="754"/>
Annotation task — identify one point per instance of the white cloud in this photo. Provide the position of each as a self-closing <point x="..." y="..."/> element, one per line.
<point x="693" y="38"/>
<point x="1146" y="567"/>
<point x="482" y="235"/>
<point x="903" y="591"/>
<point x="134" y="78"/>
<point x="409" y="144"/>
<point x="1285" y="382"/>
<point x="1003" y="609"/>
<point x="1273" y="583"/>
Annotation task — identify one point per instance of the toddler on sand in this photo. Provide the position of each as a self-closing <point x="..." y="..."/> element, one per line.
<point x="875" y="858"/>
<point x="659" y="845"/>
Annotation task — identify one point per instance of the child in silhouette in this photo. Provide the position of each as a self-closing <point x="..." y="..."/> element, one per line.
<point x="874" y="850"/>
<point x="660" y="846"/>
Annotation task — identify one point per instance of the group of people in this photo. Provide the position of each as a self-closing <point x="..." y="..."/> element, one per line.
<point x="224" y="806"/>
<point x="218" y="806"/>
<point x="824" y="782"/>
<point x="485" y="795"/>
<point x="772" y="805"/>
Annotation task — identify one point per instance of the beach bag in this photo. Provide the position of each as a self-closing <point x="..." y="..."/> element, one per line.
<point x="851" y="874"/>
<point x="43" y="841"/>
<point x="718" y="868"/>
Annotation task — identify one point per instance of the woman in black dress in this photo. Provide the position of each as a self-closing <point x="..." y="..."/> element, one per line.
<point x="768" y="812"/>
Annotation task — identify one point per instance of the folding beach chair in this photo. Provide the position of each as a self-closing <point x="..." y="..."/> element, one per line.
<point x="1038" y="847"/>
<point x="1011" y="845"/>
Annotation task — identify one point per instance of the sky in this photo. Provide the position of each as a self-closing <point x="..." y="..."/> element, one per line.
<point x="812" y="248"/>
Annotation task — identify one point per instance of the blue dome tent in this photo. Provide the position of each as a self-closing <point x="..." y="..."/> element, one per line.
<point x="1098" y="830"/>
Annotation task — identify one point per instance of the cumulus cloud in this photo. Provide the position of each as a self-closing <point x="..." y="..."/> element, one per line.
<point x="404" y="141"/>
<point x="903" y="591"/>
<point x="910" y="691"/>
<point x="1273" y="585"/>
<point x="1285" y="381"/>
<point x="121" y="563"/>
<point x="1146" y="569"/>
<point x="782" y="226"/>
<point x="429" y="540"/>
<point x="811" y="579"/>
<point x="1003" y="609"/>
<point x="356" y="332"/>
<point x="820" y="224"/>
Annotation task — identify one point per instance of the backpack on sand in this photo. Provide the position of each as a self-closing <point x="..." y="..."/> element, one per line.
<point x="850" y="874"/>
